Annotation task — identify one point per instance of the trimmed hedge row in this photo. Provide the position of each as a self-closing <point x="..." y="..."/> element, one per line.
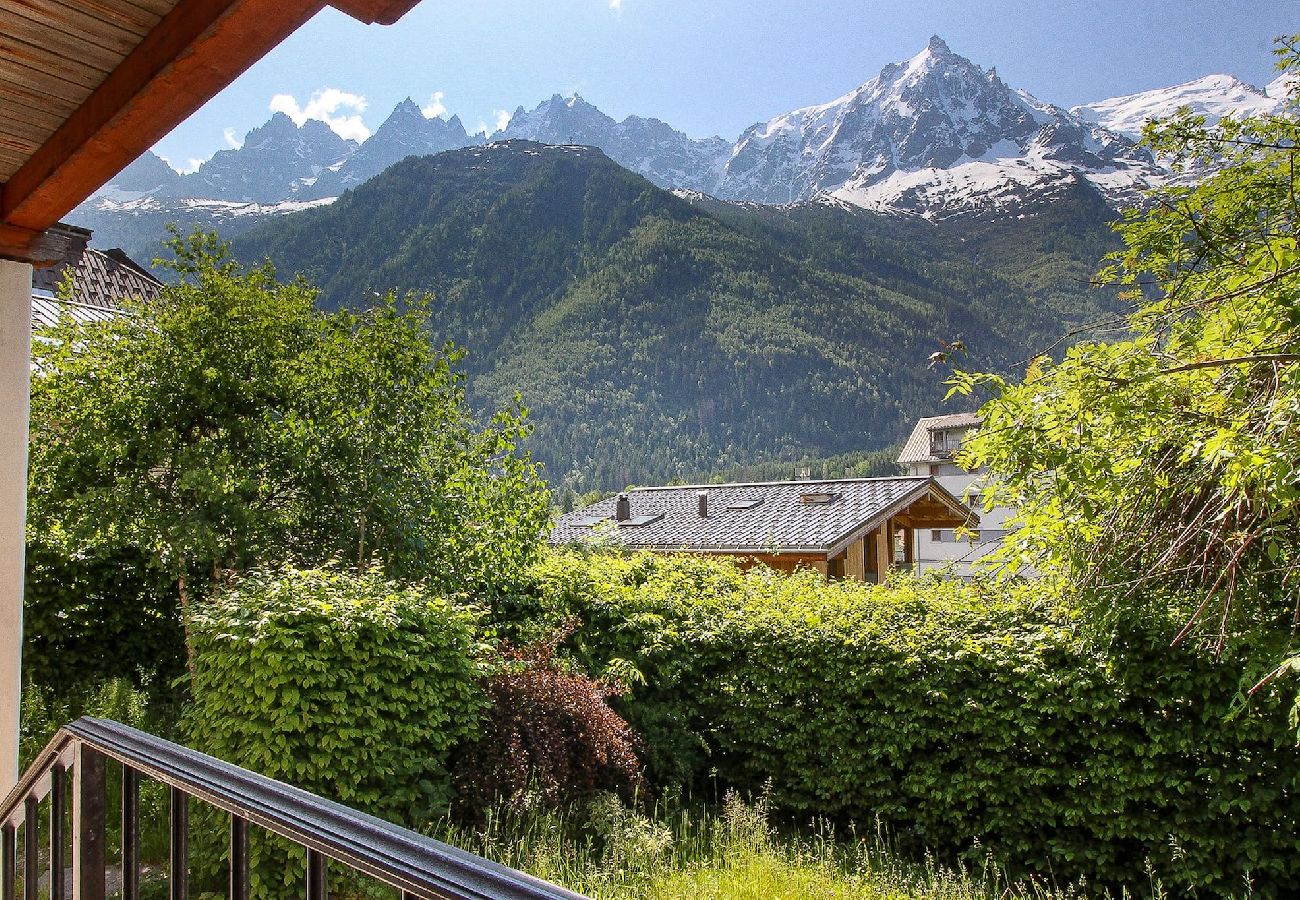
<point x="969" y="720"/>
<point x="344" y="684"/>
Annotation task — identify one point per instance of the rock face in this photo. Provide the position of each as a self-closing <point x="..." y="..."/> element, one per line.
<point x="406" y="132"/>
<point x="278" y="161"/>
<point x="149" y="174"/>
<point x="648" y="147"/>
<point x="929" y="136"/>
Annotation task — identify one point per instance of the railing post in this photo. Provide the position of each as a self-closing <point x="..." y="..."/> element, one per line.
<point x="58" y="804"/>
<point x="238" y="858"/>
<point x="9" y="863"/>
<point x="179" y="878"/>
<point x="130" y="833"/>
<point x="31" y="848"/>
<point x="89" y="803"/>
<point x="316" y="887"/>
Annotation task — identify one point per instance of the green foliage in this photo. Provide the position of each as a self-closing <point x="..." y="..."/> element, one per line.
<point x="347" y="685"/>
<point x="45" y="711"/>
<point x="97" y="616"/>
<point x="655" y="338"/>
<point x="1161" y="469"/>
<point x="231" y="424"/>
<point x="736" y="851"/>
<point x="967" y="717"/>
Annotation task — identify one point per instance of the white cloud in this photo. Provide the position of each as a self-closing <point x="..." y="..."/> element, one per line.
<point x="435" y="107"/>
<point x="233" y="142"/>
<point x="616" y="5"/>
<point x="340" y="110"/>
<point x="189" y="168"/>
<point x="503" y="118"/>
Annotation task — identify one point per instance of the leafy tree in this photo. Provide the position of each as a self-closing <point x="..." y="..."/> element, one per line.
<point x="231" y="424"/>
<point x="1163" y="468"/>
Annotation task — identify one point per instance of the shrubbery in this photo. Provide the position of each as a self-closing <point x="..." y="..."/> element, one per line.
<point x="549" y="736"/>
<point x="957" y="714"/>
<point x="344" y="684"/>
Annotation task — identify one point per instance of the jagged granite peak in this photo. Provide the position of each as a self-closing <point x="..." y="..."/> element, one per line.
<point x="148" y="174"/>
<point x="279" y="160"/>
<point x="406" y="132"/>
<point x="647" y="146"/>
<point x="931" y="114"/>
<point x="558" y="120"/>
<point x="1212" y="96"/>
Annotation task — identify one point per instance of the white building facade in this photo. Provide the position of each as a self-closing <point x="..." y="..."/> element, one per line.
<point x="931" y="450"/>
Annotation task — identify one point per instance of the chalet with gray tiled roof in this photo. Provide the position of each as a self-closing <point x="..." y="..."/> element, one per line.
<point x="100" y="279"/>
<point x="935" y="439"/>
<point x="853" y="527"/>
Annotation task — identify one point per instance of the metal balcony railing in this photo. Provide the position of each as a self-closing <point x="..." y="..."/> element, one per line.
<point x="418" y="866"/>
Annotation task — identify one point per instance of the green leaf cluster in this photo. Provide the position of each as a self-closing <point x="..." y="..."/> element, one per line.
<point x="1162" y="469"/>
<point x="345" y="684"/>
<point x="969" y="718"/>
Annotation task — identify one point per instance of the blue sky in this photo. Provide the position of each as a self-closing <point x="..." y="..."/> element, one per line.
<point x="718" y="66"/>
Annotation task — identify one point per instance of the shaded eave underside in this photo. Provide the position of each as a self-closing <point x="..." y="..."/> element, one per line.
<point x="86" y="86"/>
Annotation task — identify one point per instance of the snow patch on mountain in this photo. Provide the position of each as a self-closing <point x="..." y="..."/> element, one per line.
<point x="1213" y="96"/>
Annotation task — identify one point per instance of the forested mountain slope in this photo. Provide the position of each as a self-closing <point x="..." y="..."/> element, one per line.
<point x="654" y="335"/>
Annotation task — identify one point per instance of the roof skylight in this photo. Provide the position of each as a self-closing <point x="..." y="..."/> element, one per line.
<point x="813" y="498"/>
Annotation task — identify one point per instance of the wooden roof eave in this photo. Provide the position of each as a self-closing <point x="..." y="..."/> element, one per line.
<point x="962" y="515"/>
<point x="197" y="49"/>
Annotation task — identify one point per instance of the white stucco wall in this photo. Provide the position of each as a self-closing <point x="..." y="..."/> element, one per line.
<point x="15" y="378"/>
<point x="958" y="556"/>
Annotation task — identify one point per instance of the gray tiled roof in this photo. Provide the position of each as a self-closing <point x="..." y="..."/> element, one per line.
<point x="781" y="522"/>
<point x="99" y="279"/>
<point x="47" y="310"/>
<point x="917" y="448"/>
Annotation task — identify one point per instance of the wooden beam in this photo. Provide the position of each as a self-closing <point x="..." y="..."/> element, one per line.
<point x="40" y="248"/>
<point x="195" y="51"/>
<point x="884" y="550"/>
<point x="855" y="566"/>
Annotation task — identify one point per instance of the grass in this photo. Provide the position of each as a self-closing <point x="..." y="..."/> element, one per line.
<point x="613" y="853"/>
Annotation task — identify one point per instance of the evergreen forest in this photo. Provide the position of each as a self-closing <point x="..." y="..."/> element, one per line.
<point x="655" y="335"/>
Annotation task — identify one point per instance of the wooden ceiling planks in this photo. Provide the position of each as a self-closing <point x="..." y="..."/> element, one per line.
<point x="53" y="55"/>
<point x="102" y="47"/>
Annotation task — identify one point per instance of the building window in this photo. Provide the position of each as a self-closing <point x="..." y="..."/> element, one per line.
<point x="935" y="468"/>
<point x="936" y="535"/>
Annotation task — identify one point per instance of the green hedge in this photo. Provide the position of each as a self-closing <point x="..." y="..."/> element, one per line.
<point x="344" y="684"/>
<point x="968" y="719"/>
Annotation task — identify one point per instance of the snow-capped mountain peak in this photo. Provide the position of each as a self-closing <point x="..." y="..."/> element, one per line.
<point x="1284" y="87"/>
<point x="933" y="113"/>
<point x="1212" y="96"/>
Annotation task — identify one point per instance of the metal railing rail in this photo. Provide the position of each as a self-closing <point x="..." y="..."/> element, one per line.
<point x="417" y="865"/>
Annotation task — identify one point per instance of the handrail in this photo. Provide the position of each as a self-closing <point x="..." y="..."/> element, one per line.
<point x="405" y="859"/>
